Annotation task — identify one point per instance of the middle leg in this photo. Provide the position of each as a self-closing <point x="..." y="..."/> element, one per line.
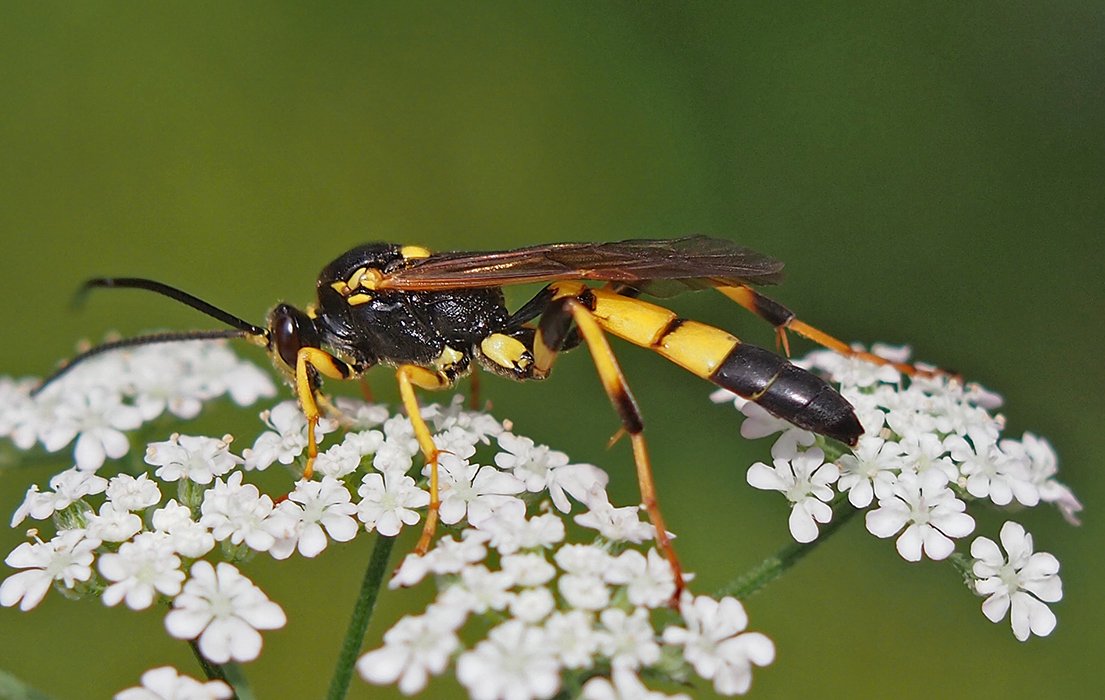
<point x="410" y="376"/>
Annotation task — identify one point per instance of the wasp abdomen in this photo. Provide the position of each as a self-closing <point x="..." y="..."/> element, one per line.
<point x="787" y="391"/>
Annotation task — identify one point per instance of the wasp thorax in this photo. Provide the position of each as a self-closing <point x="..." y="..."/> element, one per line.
<point x="289" y="330"/>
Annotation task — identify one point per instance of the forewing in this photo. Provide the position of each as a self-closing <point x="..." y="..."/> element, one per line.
<point x="659" y="267"/>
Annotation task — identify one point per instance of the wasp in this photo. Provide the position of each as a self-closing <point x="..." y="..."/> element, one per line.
<point x="435" y="317"/>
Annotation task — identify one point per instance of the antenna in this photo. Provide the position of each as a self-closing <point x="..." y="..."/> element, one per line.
<point x="243" y="328"/>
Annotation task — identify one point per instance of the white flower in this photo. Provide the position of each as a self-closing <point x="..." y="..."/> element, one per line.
<point x="340" y="460"/>
<point x="623" y="685"/>
<point x="621" y="524"/>
<point x="415" y="648"/>
<point x="395" y="455"/>
<point x="478" y="589"/>
<point x="287" y="438"/>
<point x="543" y="469"/>
<point x="199" y="459"/>
<point x="628" y="639"/>
<point x="68" y="486"/>
<point x="715" y="643"/>
<point x="186" y="536"/>
<point x="855" y="372"/>
<point x="237" y="511"/>
<point x="805" y="480"/>
<point x="449" y="556"/>
<point x="97" y="418"/>
<point x="313" y="510"/>
<point x="513" y="663"/>
<point x="530" y="569"/>
<point x="990" y="472"/>
<point x="141" y="569"/>
<point x="955" y="414"/>
<point x="132" y="493"/>
<point x="220" y="371"/>
<point x="165" y="683"/>
<point x="927" y="452"/>
<point x="366" y="442"/>
<point x="928" y="511"/>
<point x="472" y="491"/>
<point x="388" y="501"/>
<point x="871" y="465"/>
<point x="584" y="559"/>
<point x="480" y="425"/>
<point x="1043" y="465"/>
<point x="113" y="524"/>
<point x="572" y="637"/>
<point x="759" y="423"/>
<point x="649" y="582"/>
<point x="1022" y="581"/>
<point x="531" y="605"/>
<point x="584" y="591"/>
<point x="66" y="558"/>
<point x="360" y="415"/>
<point x="224" y="609"/>
<point x="159" y="379"/>
<point x="511" y="531"/>
<point x="32" y="420"/>
<point x="15" y="404"/>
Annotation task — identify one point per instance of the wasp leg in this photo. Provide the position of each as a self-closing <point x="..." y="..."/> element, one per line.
<point x="309" y="363"/>
<point x="784" y="319"/>
<point x="552" y="331"/>
<point x="409" y="377"/>
<point x="366" y="390"/>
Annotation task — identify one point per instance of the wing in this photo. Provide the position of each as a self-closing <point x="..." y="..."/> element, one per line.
<point x="657" y="267"/>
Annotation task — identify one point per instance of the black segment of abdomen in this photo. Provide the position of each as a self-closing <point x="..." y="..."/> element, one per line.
<point x="788" y="392"/>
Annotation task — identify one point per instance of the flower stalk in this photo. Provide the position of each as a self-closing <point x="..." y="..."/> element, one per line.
<point x="362" y="613"/>
<point x="771" y="568"/>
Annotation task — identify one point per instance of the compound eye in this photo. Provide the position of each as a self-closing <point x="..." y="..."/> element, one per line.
<point x="285" y="335"/>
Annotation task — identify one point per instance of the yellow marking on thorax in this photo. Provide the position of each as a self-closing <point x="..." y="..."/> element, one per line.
<point x="362" y="278"/>
<point x="358" y="299"/>
<point x="447" y="359"/>
<point x="413" y="252"/>
<point x="506" y="351"/>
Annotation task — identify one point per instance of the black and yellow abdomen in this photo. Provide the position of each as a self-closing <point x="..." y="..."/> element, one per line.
<point x="784" y="390"/>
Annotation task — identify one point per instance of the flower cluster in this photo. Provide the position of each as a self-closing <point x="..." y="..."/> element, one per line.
<point x="95" y="404"/>
<point x="931" y="446"/>
<point x="543" y="586"/>
<point x="589" y="617"/>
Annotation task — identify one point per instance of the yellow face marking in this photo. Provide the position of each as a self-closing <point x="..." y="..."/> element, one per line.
<point x="413" y="252"/>
<point x="506" y="351"/>
<point x="358" y="299"/>
<point x="448" y="358"/>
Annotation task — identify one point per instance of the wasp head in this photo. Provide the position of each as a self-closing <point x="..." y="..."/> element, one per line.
<point x="289" y="330"/>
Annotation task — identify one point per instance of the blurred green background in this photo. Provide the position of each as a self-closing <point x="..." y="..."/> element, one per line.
<point x="933" y="176"/>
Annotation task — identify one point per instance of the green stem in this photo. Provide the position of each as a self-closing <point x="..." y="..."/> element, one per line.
<point x="358" y="622"/>
<point x="229" y="673"/>
<point x="12" y="688"/>
<point x="774" y="566"/>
